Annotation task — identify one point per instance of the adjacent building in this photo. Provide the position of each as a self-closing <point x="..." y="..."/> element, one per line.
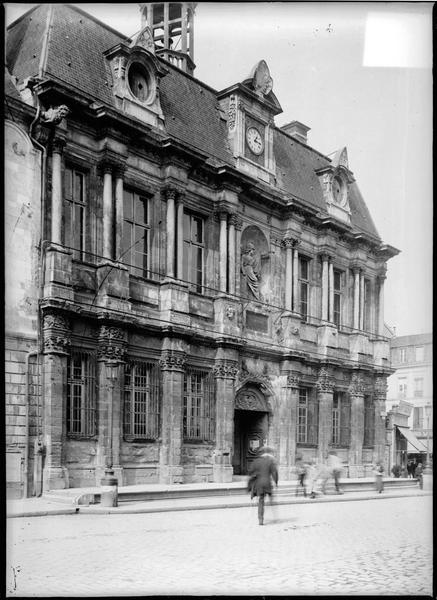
<point x="410" y="398"/>
<point x="186" y="280"/>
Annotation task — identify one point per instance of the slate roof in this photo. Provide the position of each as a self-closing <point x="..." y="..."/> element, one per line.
<point x="73" y="54"/>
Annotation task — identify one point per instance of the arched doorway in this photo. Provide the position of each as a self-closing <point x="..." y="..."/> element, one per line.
<point x="251" y="427"/>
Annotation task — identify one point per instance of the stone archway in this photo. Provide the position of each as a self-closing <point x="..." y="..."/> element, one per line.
<point x="251" y="426"/>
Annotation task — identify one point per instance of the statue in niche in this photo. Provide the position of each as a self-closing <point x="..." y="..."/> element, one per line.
<point x="251" y="268"/>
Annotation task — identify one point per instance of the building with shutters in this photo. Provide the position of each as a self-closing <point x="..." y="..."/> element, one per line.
<point x="186" y="281"/>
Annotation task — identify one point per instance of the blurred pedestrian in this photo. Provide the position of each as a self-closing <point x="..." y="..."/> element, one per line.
<point x="263" y="472"/>
<point x="410" y="469"/>
<point x="334" y="469"/>
<point x="378" y="471"/>
<point x="404" y="472"/>
<point x="301" y="472"/>
<point x="311" y="477"/>
<point x="419" y="475"/>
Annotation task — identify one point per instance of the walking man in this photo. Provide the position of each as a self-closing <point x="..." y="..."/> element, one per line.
<point x="263" y="473"/>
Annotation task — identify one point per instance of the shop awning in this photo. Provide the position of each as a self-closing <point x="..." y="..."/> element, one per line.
<point x="416" y="444"/>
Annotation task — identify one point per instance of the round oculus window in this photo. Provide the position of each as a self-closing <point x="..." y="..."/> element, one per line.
<point x="139" y="82"/>
<point x="338" y="190"/>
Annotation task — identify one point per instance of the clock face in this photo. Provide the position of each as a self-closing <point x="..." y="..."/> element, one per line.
<point x="254" y="140"/>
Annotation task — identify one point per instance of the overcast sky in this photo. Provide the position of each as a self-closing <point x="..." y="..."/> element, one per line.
<point x="359" y="74"/>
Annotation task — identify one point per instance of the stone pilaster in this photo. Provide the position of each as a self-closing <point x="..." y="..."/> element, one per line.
<point x="233" y="221"/>
<point x="287" y="426"/>
<point x="108" y="215"/>
<point x="288" y="245"/>
<point x="296" y="294"/>
<point x="238" y="228"/>
<point x="58" y="145"/>
<point x="56" y="335"/>
<point x="380" y="395"/>
<point x="110" y="356"/>
<point x="325" y="389"/>
<point x="223" y="263"/>
<point x="381" y="279"/>
<point x="173" y="366"/>
<point x="356" y="393"/>
<point x="179" y="235"/>
<point x="356" y="320"/>
<point x="170" y="195"/>
<point x="225" y="372"/>
<point x="119" y="175"/>
<point x="325" y="287"/>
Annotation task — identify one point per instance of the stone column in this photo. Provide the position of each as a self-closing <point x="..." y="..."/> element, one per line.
<point x="119" y="174"/>
<point x="325" y="288"/>
<point x="57" y="195"/>
<point x="296" y="298"/>
<point x="325" y="388"/>
<point x="223" y="216"/>
<point x="287" y="427"/>
<point x="381" y="279"/>
<point x="110" y="356"/>
<point x="380" y="395"/>
<point x="331" y="292"/>
<point x="238" y="228"/>
<point x="173" y="366"/>
<point x="225" y="372"/>
<point x="180" y="236"/>
<point x="356" y="321"/>
<point x="108" y="216"/>
<point x="356" y="393"/>
<point x="231" y="246"/>
<point x="56" y="332"/>
<point x="288" y="244"/>
<point x="170" y="194"/>
<point x="362" y="301"/>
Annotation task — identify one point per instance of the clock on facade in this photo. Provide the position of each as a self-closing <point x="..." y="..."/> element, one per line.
<point x="254" y="140"/>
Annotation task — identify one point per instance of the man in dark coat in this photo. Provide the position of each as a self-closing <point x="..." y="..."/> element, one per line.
<point x="262" y="473"/>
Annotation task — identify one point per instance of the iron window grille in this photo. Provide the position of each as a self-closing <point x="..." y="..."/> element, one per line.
<point x="199" y="406"/>
<point x="194" y="251"/>
<point x="75" y="190"/>
<point x="81" y="395"/>
<point x="369" y="422"/>
<point x="142" y="400"/>
<point x="136" y="233"/>
<point x="307" y="417"/>
<point x="340" y="419"/>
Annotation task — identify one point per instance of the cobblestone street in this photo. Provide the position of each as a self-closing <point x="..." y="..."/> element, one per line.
<point x="379" y="547"/>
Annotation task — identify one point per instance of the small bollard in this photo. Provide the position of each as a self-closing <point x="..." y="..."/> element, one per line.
<point x="109" y="491"/>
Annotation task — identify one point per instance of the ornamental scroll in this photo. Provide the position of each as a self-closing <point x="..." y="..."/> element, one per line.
<point x="226" y="369"/>
<point x="112" y="343"/>
<point x="56" y="334"/>
<point x="324" y="381"/>
<point x="173" y="361"/>
<point x="356" y="386"/>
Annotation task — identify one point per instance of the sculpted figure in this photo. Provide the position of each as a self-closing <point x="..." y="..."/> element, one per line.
<point x="251" y="268"/>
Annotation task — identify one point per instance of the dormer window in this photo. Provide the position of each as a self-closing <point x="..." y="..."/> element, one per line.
<point x="139" y="82"/>
<point x="339" y="191"/>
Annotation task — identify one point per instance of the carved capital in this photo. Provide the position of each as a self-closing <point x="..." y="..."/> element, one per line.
<point x="173" y="361"/>
<point x="239" y="224"/>
<point x="293" y="381"/>
<point x="119" y="170"/>
<point x="356" y="386"/>
<point x="58" y="145"/>
<point x="287" y="243"/>
<point x="226" y="369"/>
<point x="324" y="382"/>
<point x="170" y="193"/>
<point x="234" y="220"/>
<point x="56" y="330"/>
<point x="380" y="387"/>
<point x="112" y="343"/>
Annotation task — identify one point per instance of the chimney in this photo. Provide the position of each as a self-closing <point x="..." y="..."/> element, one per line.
<point x="297" y="130"/>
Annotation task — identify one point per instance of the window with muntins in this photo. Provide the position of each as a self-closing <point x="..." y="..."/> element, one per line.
<point x="340" y="419"/>
<point x="194" y="249"/>
<point x="307" y="421"/>
<point x="337" y="298"/>
<point x="304" y="286"/>
<point x="369" y="422"/>
<point x="402" y="393"/>
<point x="402" y="355"/>
<point x="136" y="231"/>
<point x="81" y="395"/>
<point x="418" y="387"/>
<point x="199" y="406"/>
<point x="142" y="386"/>
<point x="74" y="211"/>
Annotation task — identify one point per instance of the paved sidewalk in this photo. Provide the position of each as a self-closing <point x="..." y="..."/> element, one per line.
<point x="34" y="507"/>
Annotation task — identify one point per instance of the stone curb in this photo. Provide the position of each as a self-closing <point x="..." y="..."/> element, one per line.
<point x="124" y="510"/>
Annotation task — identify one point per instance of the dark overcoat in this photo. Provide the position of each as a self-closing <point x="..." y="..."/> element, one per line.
<point x="262" y="473"/>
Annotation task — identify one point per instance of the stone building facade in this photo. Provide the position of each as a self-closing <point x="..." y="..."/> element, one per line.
<point x="197" y="280"/>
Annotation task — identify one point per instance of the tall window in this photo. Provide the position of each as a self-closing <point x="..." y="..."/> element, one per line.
<point x="420" y="353"/>
<point x="418" y="417"/>
<point x="135" y="239"/>
<point x="306" y="417"/>
<point x="367" y="305"/>
<point x="141" y="401"/>
<point x="199" y="406"/>
<point x="369" y="422"/>
<point x="194" y="248"/>
<point x="304" y="286"/>
<point x="402" y="355"/>
<point x="74" y="211"/>
<point x="81" y="395"/>
<point x="418" y="387"/>
<point x="337" y="298"/>
<point x="402" y="390"/>
<point x="340" y="419"/>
